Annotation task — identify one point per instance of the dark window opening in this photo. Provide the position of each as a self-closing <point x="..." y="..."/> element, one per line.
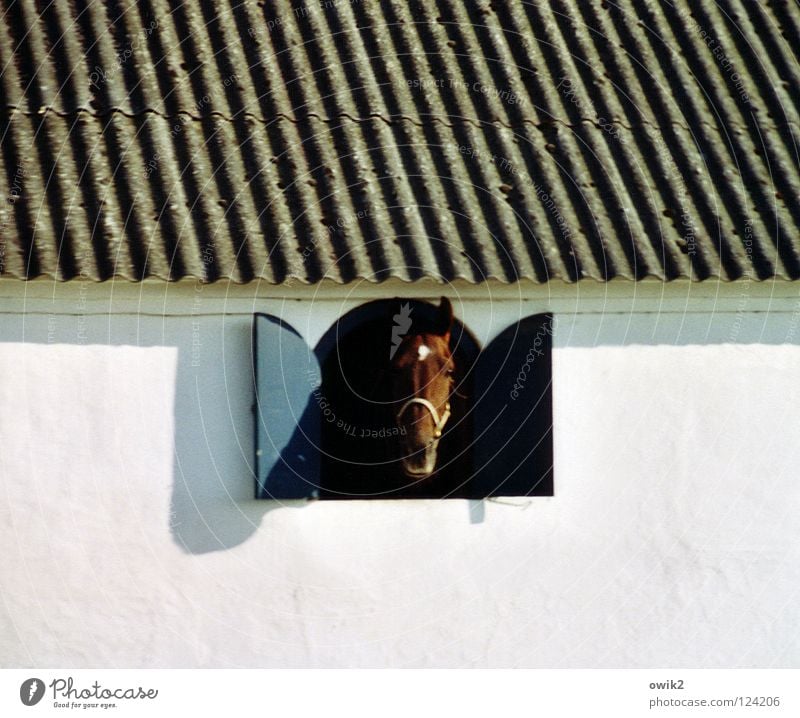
<point x="362" y="439"/>
<point x="327" y="419"/>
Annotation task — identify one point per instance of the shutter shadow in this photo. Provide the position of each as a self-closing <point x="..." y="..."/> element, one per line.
<point x="513" y="412"/>
<point x="287" y="381"/>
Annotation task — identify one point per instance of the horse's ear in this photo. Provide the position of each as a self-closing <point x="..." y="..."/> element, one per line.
<point x="444" y="321"/>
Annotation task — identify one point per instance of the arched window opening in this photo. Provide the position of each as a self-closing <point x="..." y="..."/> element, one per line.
<point x="341" y="421"/>
<point x="364" y="441"/>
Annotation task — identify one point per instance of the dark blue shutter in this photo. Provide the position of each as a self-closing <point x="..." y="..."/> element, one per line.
<point x="287" y="414"/>
<point x="513" y="412"/>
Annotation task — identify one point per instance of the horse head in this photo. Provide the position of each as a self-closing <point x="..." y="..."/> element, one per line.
<point x="421" y="372"/>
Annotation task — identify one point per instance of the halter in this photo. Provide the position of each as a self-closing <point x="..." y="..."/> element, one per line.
<point x="438" y="421"/>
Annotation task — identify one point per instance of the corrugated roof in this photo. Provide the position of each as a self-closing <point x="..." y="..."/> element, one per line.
<point x="347" y="139"/>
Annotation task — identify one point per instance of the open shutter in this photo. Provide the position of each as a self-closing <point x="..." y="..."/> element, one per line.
<point x="513" y="412"/>
<point x="287" y="415"/>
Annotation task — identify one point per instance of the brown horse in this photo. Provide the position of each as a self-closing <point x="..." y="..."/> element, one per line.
<point x="421" y="372"/>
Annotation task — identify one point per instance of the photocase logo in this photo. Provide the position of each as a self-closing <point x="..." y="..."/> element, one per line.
<point x="31" y="691"/>
<point x="402" y="323"/>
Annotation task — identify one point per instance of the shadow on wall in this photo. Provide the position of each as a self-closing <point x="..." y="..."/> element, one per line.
<point x="147" y="417"/>
<point x="209" y="492"/>
<point x="212" y="506"/>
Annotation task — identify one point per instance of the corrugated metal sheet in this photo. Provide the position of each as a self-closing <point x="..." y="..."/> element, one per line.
<point x="350" y="139"/>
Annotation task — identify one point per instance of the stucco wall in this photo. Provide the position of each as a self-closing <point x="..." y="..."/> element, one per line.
<point x="130" y="536"/>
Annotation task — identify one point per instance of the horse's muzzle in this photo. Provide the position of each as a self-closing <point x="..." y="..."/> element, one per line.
<point x="421" y="463"/>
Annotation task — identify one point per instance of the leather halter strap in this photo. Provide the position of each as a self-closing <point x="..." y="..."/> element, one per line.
<point x="438" y="421"/>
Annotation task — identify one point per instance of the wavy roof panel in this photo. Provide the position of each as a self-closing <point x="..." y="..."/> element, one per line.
<point x="353" y="140"/>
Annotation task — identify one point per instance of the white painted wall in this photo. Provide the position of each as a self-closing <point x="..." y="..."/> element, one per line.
<point x="130" y="538"/>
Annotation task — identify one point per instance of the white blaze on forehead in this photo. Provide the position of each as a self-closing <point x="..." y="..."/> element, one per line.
<point x="423" y="352"/>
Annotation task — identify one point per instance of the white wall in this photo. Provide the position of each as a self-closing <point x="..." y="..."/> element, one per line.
<point x="130" y="536"/>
